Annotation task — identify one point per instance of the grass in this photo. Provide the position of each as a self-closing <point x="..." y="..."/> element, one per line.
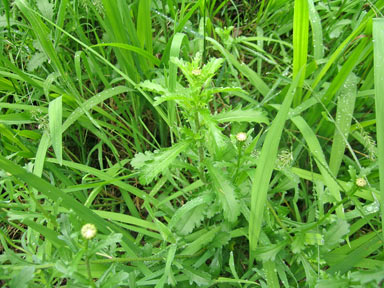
<point x="210" y="143"/>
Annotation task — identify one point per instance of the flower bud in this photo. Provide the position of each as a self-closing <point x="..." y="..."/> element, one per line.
<point x="88" y="231"/>
<point x="361" y="182"/>
<point x="241" y="137"/>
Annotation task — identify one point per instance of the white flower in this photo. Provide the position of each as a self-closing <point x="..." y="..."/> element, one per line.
<point x="241" y="137"/>
<point x="88" y="231"/>
<point x="361" y="182"/>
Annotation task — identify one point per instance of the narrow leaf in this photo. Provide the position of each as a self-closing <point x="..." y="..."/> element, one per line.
<point x="265" y="167"/>
<point x="242" y="115"/>
<point x="55" y="113"/>
<point x="378" y="36"/>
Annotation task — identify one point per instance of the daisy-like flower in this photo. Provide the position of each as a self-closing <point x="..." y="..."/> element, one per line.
<point x="88" y="231"/>
<point x="361" y="182"/>
<point x="241" y="137"/>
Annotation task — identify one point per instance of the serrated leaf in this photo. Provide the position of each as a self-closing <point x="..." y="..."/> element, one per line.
<point x="225" y="193"/>
<point x="335" y="233"/>
<point x="298" y="244"/>
<point x="199" y="277"/>
<point x="172" y="97"/>
<point x="242" y="115"/>
<point x="205" y="74"/>
<point x="268" y="253"/>
<point x="45" y="8"/>
<point x="150" y="167"/>
<point x="222" y="238"/>
<point x="24" y="276"/>
<point x="216" y="142"/>
<point x="108" y="241"/>
<point x="141" y="158"/>
<point x="153" y="87"/>
<point x="190" y="215"/>
<point x="36" y="61"/>
<point x="365" y="277"/>
<point x="37" y="45"/>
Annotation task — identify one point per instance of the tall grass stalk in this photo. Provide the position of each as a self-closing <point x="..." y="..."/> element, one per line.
<point x="378" y="36"/>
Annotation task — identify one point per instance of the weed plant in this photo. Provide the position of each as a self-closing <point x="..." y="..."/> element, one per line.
<point x="191" y="144"/>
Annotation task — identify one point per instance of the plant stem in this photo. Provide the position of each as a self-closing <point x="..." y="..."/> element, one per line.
<point x="88" y="264"/>
<point x="201" y="149"/>
<point x="240" y="148"/>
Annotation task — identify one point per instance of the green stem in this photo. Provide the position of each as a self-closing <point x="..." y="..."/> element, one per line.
<point x="88" y="264"/>
<point x="201" y="149"/>
<point x="240" y="148"/>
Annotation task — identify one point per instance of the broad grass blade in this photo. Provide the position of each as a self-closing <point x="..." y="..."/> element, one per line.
<point x="55" y="113"/>
<point x="300" y="43"/>
<point x="345" y="107"/>
<point x="317" y="152"/>
<point x="265" y="167"/>
<point x="317" y="31"/>
<point x="378" y="36"/>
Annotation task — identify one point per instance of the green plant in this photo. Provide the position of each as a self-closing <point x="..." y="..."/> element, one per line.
<point x="203" y="145"/>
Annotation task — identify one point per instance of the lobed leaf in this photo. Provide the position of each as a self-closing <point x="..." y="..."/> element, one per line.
<point x="225" y="193"/>
<point x="150" y="165"/>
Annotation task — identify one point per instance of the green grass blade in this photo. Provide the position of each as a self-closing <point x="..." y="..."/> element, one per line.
<point x="138" y="50"/>
<point x="176" y="45"/>
<point x="106" y="177"/>
<point x="317" y="31"/>
<point x="66" y="201"/>
<point x="6" y="85"/>
<point x="345" y="107"/>
<point x="48" y="234"/>
<point x="300" y="44"/>
<point x="378" y="36"/>
<point x="117" y="15"/>
<point x="127" y="219"/>
<point x="317" y="152"/>
<point x="184" y="19"/>
<point x="92" y="102"/>
<point x="242" y="115"/>
<point x="55" y="112"/>
<point x="144" y="26"/>
<point x="175" y="49"/>
<point x="41" y="31"/>
<point x="251" y="75"/>
<point x="201" y="242"/>
<point x="336" y="54"/>
<point x="60" y="19"/>
<point x="40" y="154"/>
<point x="271" y="273"/>
<point x="362" y="51"/>
<point x="265" y="167"/>
<point x="356" y="256"/>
